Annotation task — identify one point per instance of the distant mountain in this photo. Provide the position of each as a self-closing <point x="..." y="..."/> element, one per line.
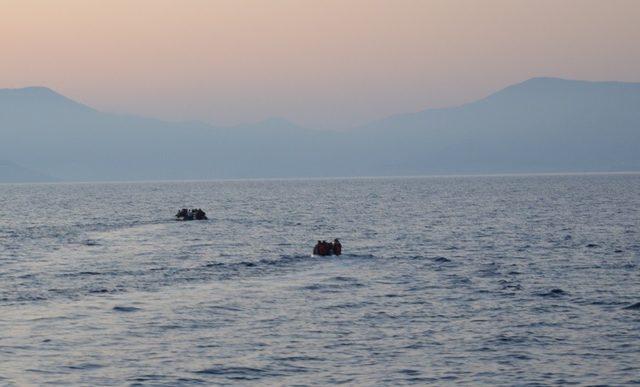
<point x="13" y="173"/>
<point x="541" y="125"/>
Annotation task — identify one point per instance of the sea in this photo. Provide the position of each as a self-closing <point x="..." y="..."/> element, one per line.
<point x="469" y="280"/>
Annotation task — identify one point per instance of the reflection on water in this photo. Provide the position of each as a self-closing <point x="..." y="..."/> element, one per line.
<point x="494" y="280"/>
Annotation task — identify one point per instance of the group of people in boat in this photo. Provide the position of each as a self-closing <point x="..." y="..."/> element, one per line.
<point x="195" y="213"/>
<point x="324" y="248"/>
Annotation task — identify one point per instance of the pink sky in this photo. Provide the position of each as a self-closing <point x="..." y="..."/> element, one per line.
<point x="323" y="64"/>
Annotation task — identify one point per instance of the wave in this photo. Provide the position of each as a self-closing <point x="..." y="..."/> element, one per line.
<point x="557" y="292"/>
<point x="284" y="260"/>
<point x="126" y="309"/>
<point x="239" y="372"/>
<point x="635" y="306"/>
<point x="74" y="233"/>
<point x="98" y="283"/>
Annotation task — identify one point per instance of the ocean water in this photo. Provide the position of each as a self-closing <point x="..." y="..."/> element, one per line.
<point x="503" y="280"/>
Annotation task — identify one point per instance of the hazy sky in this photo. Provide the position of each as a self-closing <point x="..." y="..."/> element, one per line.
<point x="320" y="63"/>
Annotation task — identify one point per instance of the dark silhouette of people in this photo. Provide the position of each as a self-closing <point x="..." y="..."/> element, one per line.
<point x="200" y="215"/>
<point x="195" y="213"/>
<point x="324" y="248"/>
<point x="337" y="247"/>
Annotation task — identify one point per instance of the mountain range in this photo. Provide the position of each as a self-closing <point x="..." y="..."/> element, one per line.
<point x="540" y="125"/>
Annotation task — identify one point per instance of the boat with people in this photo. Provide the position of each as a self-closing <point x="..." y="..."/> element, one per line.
<point x="191" y="214"/>
<point x="324" y="248"/>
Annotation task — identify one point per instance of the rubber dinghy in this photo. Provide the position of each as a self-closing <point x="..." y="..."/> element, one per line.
<point x="324" y="248"/>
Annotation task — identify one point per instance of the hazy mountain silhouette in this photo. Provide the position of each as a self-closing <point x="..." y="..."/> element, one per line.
<point x="541" y="125"/>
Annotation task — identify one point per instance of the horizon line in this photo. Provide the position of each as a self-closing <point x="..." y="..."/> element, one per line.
<point x="363" y="177"/>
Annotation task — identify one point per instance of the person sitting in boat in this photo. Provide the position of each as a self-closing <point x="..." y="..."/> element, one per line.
<point x="337" y="247"/>
<point x="316" y="248"/>
<point x="327" y="249"/>
<point x="200" y="215"/>
<point x="182" y="213"/>
<point x="322" y="249"/>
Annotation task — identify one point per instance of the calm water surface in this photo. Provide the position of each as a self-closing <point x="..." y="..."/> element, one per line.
<point x="466" y="280"/>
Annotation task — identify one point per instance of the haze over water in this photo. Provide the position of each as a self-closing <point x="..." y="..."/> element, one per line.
<point x="496" y="280"/>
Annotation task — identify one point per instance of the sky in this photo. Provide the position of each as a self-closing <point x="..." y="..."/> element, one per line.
<point x="324" y="64"/>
